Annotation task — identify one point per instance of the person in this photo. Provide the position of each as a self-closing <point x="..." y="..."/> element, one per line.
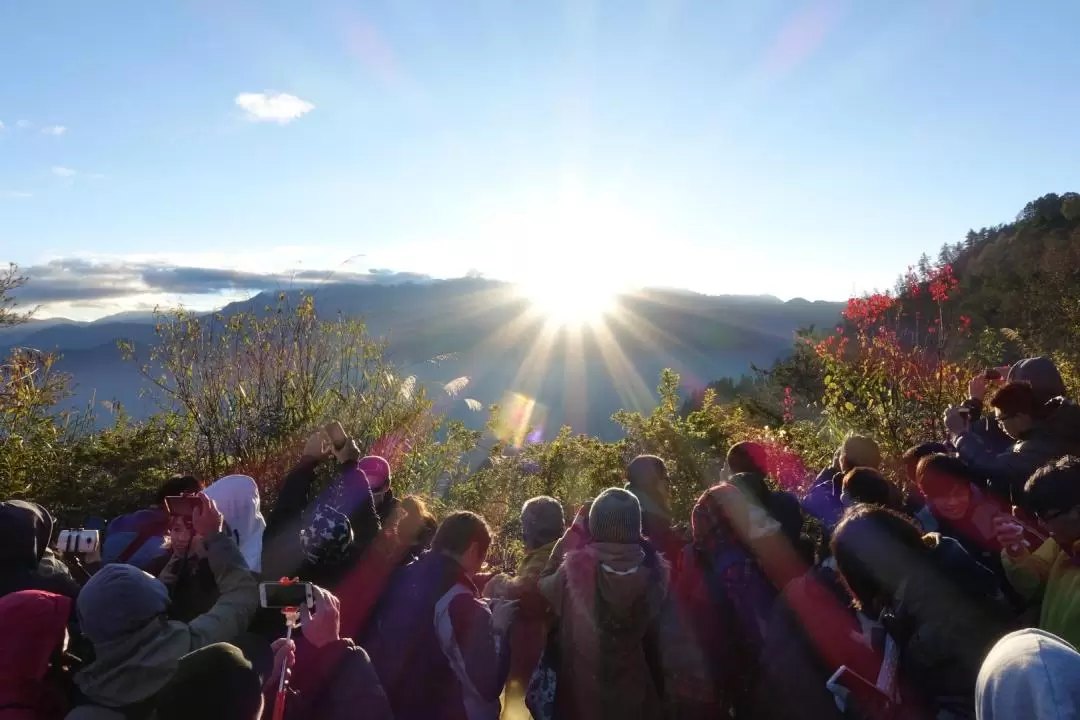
<point x="1050" y="572"/>
<point x="943" y="609"/>
<point x="432" y="624"/>
<point x="1029" y="674"/>
<point x="122" y="611"/>
<point x="747" y="468"/>
<point x="237" y="497"/>
<point x="868" y="486"/>
<point x="575" y="538"/>
<point x="35" y="671"/>
<point x="26" y="529"/>
<point x="138" y="538"/>
<point x="215" y="682"/>
<point x="964" y="512"/>
<point x="542" y="524"/>
<point x="1041" y="433"/>
<point x="823" y="501"/>
<point x="914" y="501"/>
<point x="727" y="595"/>
<point x="332" y="676"/>
<point x="608" y="601"/>
<point x="414" y="526"/>
<point x="377" y="470"/>
<point x="320" y="539"/>
<point x="647" y="478"/>
<point x="187" y="574"/>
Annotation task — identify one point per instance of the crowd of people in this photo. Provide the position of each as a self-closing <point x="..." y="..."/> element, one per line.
<point x="941" y="584"/>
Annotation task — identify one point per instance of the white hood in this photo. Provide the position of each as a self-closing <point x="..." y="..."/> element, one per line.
<point x="237" y="498"/>
<point x="1029" y="674"/>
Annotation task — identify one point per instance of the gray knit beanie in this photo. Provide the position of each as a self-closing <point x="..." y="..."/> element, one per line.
<point x="615" y="517"/>
<point x="542" y="521"/>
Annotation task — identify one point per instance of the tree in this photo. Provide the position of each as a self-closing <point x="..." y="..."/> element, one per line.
<point x="10" y="281"/>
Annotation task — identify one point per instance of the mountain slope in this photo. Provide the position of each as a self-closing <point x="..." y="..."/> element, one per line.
<point x="581" y="375"/>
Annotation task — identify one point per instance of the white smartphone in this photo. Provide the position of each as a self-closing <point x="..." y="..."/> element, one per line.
<point x="83" y="542"/>
<point x="278" y="595"/>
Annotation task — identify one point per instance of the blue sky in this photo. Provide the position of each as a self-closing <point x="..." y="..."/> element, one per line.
<point x="807" y="149"/>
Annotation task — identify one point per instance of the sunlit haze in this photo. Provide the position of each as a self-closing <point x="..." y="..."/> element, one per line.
<point x="200" y="152"/>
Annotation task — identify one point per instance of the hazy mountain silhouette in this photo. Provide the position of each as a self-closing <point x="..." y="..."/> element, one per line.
<point x="582" y="375"/>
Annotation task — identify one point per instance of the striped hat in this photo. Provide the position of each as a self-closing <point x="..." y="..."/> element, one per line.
<point x="615" y="517"/>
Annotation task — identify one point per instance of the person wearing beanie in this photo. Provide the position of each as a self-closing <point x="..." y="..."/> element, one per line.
<point x="542" y="524"/>
<point x="213" y="683"/>
<point x="377" y="470"/>
<point x="608" y="600"/>
<point x="123" y="613"/>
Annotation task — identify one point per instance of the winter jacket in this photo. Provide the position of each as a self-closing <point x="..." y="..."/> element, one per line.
<point x="1029" y="674"/>
<point x="950" y="613"/>
<point x="1054" y="576"/>
<point x="1051" y="437"/>
<point x="335" y="682"/>
<point x="138" y="539"/>
<point x="349" y="494"/>
<point x="822" y="501"/>
<point x="812" y="631"/>
<point x="123" y="611"/>
<point x="608" y="602"/>
<point x="32" y="625"/>
<point x="25" y="532"/>
<point x="192" y="588"/>
<point x="433" y="646"/>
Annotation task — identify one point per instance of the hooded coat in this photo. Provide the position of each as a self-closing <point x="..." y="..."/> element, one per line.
<point x="1029" y="674"/>
<point x="123" y="612"/>
<point x="237" y="498"/>
<point x="609" y="602"/>
<point x="26" y="529"/>
<point x="32" y="625"/>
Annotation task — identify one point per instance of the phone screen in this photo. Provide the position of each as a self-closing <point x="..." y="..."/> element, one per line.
<point x="278" y="595"/>
<point x="182" y="505"/>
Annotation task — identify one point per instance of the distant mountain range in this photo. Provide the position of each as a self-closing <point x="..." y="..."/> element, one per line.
<point x="582" y="376"/>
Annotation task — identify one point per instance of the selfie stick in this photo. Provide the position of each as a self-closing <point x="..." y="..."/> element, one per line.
<point x="292" y="620"/>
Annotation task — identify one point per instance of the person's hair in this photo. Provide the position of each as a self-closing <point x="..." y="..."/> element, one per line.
<point x="178" y="485"/>
<point x="875" y="550"/>
<point x="859" y="451"/>
<point x="913" y="455"/>
<point x="643" y="469"/>
<point x="1016" y="398"/>
<point x="938" y="474"/>
<point x="747" y="457"/>
<point x="459" y="531"/>
<point x="1055" y="486"/>
<point x="867" y="485"/>
<point x="413" y="516"/>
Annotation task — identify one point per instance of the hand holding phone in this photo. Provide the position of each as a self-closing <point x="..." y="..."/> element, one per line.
<point x="80" y="541"/>
<point x="282" y="595"/>
<point x="181" y="505"/>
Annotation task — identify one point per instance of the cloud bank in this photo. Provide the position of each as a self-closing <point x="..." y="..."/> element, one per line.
<point x="281" y="108"/>
<point x="75" y="280"/>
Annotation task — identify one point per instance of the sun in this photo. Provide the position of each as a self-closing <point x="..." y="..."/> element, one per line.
<point x="571" y="304"/>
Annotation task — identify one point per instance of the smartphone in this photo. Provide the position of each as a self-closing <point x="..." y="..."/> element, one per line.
<point x="83" y="542"/>
<point x="278" y="595"/>
<point x="866" y="694"/>
<point x="964" y="412"/>
<point x="336" y="434"/>
<point x="182" y="505"/>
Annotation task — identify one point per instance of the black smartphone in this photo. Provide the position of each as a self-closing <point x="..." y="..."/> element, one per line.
<point x="278" y="595"/>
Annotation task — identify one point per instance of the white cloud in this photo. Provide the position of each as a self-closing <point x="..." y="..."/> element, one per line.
<point x="1" y="124"/>
<point x="272" y="107"/>
<point x="63" y="172"/>
<point x="55" y="130"/>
